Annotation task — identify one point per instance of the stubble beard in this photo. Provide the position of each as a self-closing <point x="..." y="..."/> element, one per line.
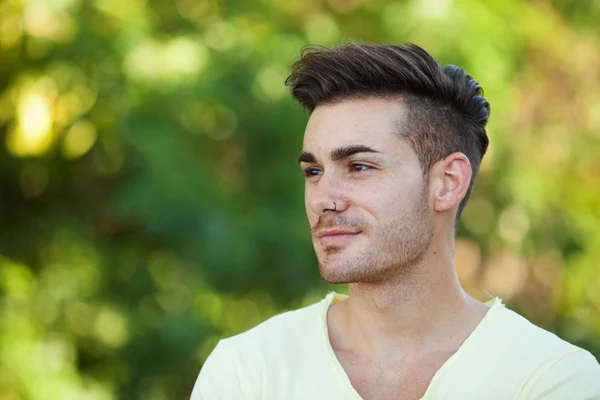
<point x="392" y="250"/>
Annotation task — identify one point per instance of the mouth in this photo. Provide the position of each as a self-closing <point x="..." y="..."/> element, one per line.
<point x="336" y="237"/>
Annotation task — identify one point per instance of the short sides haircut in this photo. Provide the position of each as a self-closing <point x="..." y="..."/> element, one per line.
<point x="446" y="111"/>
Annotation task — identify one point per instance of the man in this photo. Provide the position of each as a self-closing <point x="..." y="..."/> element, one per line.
<point x="391" y="152"/>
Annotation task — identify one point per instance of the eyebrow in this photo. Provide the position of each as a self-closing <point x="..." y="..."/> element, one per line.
<point x="337" y="154"/>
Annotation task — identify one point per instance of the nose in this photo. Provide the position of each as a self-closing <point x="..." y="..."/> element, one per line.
<point x="326" y="196"/>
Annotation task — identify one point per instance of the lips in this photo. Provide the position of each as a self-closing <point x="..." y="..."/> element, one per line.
<point x="336" y="237"/>
<point x="335" y="232"/>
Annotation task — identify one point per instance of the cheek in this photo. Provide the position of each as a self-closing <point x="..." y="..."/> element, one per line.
<point x="312" y="217"/>
<point x="307" y="198"/>
<point x="368" y="200"/>
<point x="392" y="198"/>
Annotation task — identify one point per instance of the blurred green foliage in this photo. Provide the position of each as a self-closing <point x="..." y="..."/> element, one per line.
<point x="151" y="202"/>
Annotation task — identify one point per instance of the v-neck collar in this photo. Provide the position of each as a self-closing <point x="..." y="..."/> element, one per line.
<point x="333" y="297"/>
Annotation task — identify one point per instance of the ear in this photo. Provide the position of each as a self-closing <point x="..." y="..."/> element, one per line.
<point x="452" y="176"/>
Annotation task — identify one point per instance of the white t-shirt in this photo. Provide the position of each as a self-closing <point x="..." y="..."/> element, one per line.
<point x="289" y="357"/>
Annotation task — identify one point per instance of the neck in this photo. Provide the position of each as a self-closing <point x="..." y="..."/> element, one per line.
<point x="422" y="308"/>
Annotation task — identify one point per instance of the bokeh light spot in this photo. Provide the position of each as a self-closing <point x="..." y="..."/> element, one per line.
<point x="505" y="274"/>
<point x="17" y="281"/>
<point x="322" y="29"/>
<point x="11" y="30"/>
<point x="79" y="139"/>
<point x="111" y="327"/>
<point x="513" y="224"/>
<point x="221" y="36"/>
<point x="166" y="62"/>
<point x="269" y="85"/>
<point x="467" y="256"/>
<point x="32" y="135"/>
<point x="183" y="56"/>
<point x="219" y="122"/>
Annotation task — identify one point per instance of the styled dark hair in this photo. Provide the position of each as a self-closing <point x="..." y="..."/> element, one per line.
<point x="446" y="111"/>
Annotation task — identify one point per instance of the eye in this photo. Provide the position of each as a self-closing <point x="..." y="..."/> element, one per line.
<point x="308" y="172"/>
<point x="357" y="167"/>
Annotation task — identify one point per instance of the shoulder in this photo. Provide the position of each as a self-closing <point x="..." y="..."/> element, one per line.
<point x="237" y="366"/>
<point x="278" y="335"/>
<point x="527" y="338"/>
<point x="553" y="367"/>
<point x="575" y="375"/>
<point x="508" y="356"/>
<point x="283" y="328"/>
<point x="293" y="335"/>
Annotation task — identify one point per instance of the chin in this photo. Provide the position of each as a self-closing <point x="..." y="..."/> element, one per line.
<point x="335" y="277"/>
<point x="337" y="270"/>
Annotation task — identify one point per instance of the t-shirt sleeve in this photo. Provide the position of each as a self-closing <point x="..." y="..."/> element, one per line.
<point x="218" y="378"/>
<point x="575" y="376"/>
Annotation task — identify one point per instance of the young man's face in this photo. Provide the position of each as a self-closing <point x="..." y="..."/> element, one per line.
<point x="383" y="219"/>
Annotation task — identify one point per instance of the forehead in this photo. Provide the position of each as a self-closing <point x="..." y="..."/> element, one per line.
<point x="372" y="121"/>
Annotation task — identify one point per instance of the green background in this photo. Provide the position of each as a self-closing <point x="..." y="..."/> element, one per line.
<point x="151" y="202"/>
